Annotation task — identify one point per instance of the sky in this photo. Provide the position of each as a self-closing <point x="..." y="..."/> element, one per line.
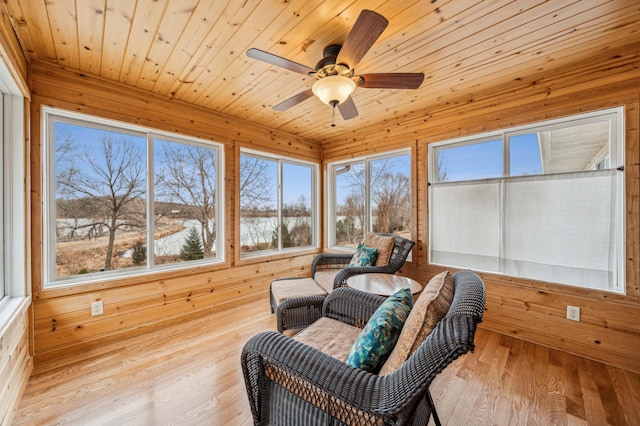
<point x="297" y="179"/>
<point x="466" y="162"/>
<point x="484" y="160"/>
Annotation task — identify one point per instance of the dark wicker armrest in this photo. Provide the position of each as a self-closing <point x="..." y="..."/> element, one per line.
<point x="351" y="306"/>
<point x="329" y="261"/>
<point x="349" y="393"/>
<point x="452" y="337"/>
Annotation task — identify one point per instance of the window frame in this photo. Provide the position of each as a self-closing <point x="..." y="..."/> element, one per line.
<point x="315" y="203"/>
<point x="13" y="195"/>
<point x="50" y="115"/>
<point x="616" y="118"/>
<point x="4" y="283"/>
<point x="332" y="192"/>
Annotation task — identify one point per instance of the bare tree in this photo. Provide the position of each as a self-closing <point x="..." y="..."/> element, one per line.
<point x="186" y="174"/>
<point x="391" y="202"/>
<point x="350" y="229"/>
<point x="296" y="224"/>
<point x="257" y="202"/>
<point x="254" y="182"/>
<point x="443" y="174"/>
<point x="103" y="193"/>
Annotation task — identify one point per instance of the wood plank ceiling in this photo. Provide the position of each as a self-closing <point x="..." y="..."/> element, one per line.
<point x="194" y="50"/>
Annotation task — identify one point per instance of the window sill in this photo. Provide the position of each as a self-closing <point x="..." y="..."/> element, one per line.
<point x="10" y="309"/>
<point x="65" y="289"/>
<point x="276" y="255"/>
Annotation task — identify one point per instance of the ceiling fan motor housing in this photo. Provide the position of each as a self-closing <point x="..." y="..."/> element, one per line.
<point x="327" y="65"/>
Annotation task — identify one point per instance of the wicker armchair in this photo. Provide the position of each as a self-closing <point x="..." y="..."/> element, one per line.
<point x="291" y="383"/>
<point x="340" y="262"/>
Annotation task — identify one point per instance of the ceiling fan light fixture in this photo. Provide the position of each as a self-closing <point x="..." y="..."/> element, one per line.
<point x="333" y="89"/>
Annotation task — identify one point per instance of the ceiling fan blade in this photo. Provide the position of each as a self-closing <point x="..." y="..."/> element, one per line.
<point x="368" y="27"/>
<point x="293" y="101"/>
<point x="348" y="109"/>
<point x="400" y="80"/>
<point x="278" y="61"/>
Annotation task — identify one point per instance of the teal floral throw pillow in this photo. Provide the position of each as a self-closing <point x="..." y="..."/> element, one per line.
<point x="364" y="256"/>
<point x="378" y="338"/>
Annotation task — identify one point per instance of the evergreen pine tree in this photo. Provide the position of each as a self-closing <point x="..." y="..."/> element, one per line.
<point x="287" y="239"/>
<point x="192" y="248"/>
<point x="138" y="253"/>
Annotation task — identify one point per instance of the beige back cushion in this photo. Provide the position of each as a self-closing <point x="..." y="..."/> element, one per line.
<point x="384" y="244"/>
<point x="326" y="278"/>
<point x="432" y="305"/>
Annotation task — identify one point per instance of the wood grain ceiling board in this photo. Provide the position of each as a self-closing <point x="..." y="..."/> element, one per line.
<point x="194" y="50"/>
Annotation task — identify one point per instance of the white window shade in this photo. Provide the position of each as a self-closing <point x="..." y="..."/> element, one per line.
<point x="556" y="228"/>
<point x="466" y="224"/>
<point x="560" y="228"/>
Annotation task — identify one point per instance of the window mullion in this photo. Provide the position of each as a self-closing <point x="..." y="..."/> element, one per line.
<point x="367" y="201"/>
<point x="506" y="160"/>
<point x="502" y="225"/>
<point x="150" y="203"/>
<point x="280" y="223"/>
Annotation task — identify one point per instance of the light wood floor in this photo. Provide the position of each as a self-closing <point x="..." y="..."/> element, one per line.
<point x="189" y="374"/>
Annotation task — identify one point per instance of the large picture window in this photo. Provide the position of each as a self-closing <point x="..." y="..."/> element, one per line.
<point x="124" y="199"/>
<point x="277" y="204"/>
<point x="543" y="201"/>
<point x="369" y="195"/>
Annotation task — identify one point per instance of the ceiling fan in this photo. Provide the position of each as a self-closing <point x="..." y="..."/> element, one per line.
<point x="335" y="73"/>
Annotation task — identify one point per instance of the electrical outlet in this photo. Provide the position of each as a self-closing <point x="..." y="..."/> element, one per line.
<point x="97" y="308"/>
<point x="573" y="313"/>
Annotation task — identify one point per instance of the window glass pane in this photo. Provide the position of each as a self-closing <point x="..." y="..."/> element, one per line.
<point x="574" y="148"/>
<point x="482" y="160"/>
<point x="391" y="195"/>
<point x="297" y="182"/>
<point x="350" y="204"/>
<point x="185" y="202"/>
<point x="524" y="154"/>
<point x="100" y="193"/>
<point x="258" y="204"/>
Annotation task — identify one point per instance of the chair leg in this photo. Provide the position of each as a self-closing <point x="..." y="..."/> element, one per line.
<point x="434" y="413"/>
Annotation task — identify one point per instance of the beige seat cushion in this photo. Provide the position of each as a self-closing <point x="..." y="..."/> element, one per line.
<point x="384" y="244"/>
<point x="432" y="305"/>
<point x="299" y="287"/>
<point x="325" y="279"/>
<point x="330" y="336"/>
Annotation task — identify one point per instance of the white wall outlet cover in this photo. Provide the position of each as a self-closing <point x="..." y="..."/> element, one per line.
<point x="573" y="313"/>
<point x="97" y="308"/>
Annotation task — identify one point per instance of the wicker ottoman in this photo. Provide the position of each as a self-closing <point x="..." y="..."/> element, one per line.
<point x="297" y="302"/>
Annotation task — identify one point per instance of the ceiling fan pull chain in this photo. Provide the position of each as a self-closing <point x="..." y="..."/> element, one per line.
<point x="333" y="116"/>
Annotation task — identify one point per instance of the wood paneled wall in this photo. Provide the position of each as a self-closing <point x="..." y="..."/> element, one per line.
<point x="15" y="361"/>
<point x="62" y="317"/>
<point x="609" y="330"/>
<point x="15" y="365"/>
<point x="534" y="311"/>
